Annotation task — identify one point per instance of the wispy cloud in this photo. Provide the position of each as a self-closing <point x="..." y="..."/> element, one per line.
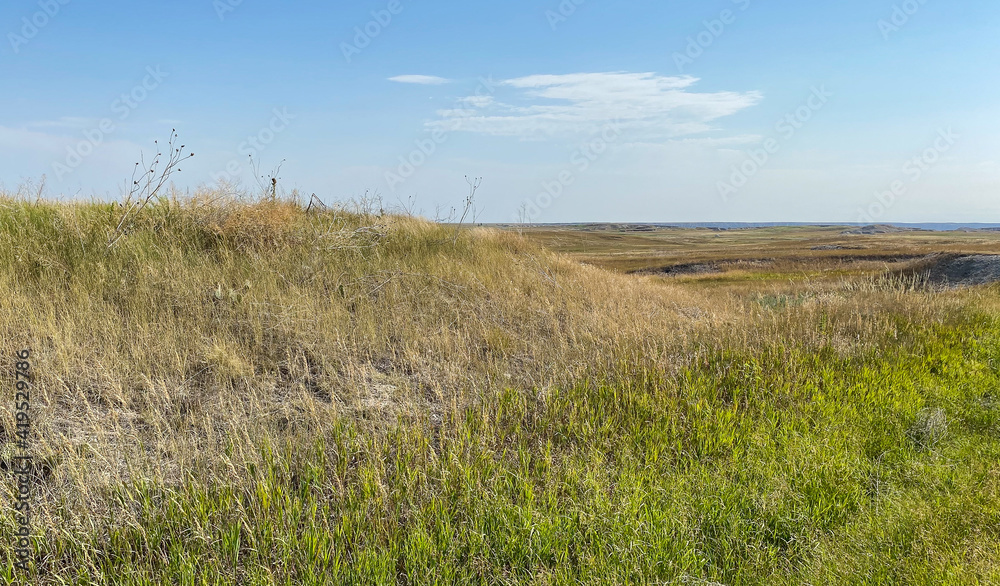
<point x="24" y="140"/>
<point x="720" y="144"/>
<point x="419" y="79"/>
<point x="548" y="105"/>
<point x="45" y="148"/>
<point x="66" y="122"/>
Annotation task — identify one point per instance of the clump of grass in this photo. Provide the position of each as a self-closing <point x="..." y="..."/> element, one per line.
<point x="893" y="282"/>
<point x="929" y="428"/>
<point x="781" y="301"/>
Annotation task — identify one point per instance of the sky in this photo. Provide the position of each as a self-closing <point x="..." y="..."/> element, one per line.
<point x="570" y="111"/>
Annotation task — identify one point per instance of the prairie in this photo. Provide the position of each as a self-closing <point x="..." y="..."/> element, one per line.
<point x="259" y="392"/>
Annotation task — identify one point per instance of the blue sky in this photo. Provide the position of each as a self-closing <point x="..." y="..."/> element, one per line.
<point x="585" y="110"/>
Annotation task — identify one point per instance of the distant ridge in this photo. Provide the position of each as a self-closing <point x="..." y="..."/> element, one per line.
<point x="884" y="229"/>
<point x="887" y="226"/>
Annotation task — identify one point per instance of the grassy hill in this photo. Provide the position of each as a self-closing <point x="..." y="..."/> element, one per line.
<point x="258" y="393"/>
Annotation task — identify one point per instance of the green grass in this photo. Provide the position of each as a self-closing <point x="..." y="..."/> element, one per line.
<point x="777" y="467"/>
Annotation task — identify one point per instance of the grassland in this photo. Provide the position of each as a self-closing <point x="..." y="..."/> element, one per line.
<point x="253" y="393"/>
<point x="785" y="249"/>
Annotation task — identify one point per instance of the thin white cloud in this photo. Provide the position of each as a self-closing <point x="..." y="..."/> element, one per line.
<point x="24" y="140"/>
<point x="476" y="101"/>
<point x="40" y="151"/>
<point x="710" y="143"/>
<point x="419" y="79"/>
<point x="547" y="105"/>
<point x="66" y="122"/>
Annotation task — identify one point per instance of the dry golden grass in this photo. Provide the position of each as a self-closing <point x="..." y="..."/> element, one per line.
<point x="217" y="318"/>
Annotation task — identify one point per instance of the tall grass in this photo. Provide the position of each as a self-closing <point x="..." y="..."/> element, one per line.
<point x="254" y="393"/>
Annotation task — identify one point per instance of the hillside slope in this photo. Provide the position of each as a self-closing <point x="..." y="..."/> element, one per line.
<point x="250" y="392"/>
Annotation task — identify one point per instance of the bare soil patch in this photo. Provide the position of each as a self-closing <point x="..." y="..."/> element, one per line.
<point x="964" y="271"/>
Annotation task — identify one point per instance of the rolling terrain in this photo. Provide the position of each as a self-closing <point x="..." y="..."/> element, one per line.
<point x="257" y="392"/>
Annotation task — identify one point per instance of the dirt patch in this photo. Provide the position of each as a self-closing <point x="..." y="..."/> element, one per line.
<point x="881" y="229"/>
<point x="963" y="271"/>
<point x="758" y="264"/>
<point x="689" y="269"/>
<point x="836" y="247"/>
<point x="938" y="270"/>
